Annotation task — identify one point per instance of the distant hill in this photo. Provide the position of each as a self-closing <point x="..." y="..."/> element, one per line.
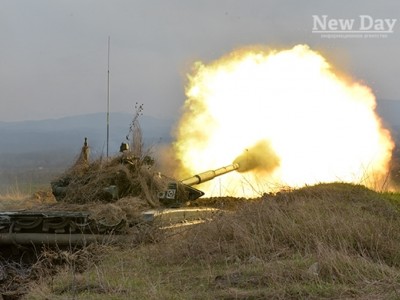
<point x="389" y="110"/>
<point x="35" y="151"/>
<point x="67" y="134"/>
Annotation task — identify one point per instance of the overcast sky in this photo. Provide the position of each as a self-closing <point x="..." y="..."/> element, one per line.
<point x="53" y="54"/>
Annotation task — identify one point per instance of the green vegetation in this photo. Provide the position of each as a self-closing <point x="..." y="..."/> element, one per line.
<point x="332" y="241"/>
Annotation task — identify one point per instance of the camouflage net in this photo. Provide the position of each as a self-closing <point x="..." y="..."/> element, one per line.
<point x="108" y="180"/>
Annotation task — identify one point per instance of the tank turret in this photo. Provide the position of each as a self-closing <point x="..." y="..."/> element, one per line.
<point x="179" y="192"/>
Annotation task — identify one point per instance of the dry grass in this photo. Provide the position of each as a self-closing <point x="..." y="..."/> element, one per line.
<point x="334" y="241"/>
<point x="130" y="176"/>
<point x="15" y="199"/>
<point x="302" y="222"/>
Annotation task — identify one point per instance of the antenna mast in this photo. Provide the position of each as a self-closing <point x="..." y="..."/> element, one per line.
<point x="108" y="94"/>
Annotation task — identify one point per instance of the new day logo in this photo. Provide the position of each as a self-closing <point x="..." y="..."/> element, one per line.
<point x="365" y="26"/>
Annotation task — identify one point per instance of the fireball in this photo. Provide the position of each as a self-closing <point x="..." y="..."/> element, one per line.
<point x="287" y="117"/>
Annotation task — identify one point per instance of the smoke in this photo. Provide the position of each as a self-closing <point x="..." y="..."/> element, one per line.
<point x="258" y="158"/>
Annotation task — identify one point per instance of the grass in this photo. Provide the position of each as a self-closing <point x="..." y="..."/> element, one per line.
<point x="329" y="241"/>
<point x="15" y="198"/>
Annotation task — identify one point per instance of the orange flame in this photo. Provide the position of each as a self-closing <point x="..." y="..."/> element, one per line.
<point x="305" y="123"/>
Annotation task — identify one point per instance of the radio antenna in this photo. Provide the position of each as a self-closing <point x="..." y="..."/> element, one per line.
<point x="108" y="94"/>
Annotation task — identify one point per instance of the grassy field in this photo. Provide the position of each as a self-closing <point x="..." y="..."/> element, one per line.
<point x="329" y="241"/>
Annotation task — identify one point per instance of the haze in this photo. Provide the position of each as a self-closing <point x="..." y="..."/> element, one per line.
<point x="54" y="53"/>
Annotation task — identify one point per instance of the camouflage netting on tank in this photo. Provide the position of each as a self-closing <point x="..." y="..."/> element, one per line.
<point x="108" y="180"/>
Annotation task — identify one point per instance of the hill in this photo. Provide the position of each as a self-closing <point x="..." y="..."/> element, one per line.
<point x="67" y="134"/>
<point x="33" y="152"/>
<point x="389" y="110"/>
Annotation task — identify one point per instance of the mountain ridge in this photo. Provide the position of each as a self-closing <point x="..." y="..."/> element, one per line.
<point x="69" y="132"/>
<point x="50" y="142"/>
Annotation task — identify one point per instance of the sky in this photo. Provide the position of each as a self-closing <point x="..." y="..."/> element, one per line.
<point x="53" y="54"/>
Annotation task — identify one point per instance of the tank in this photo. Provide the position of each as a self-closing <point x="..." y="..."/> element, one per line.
<point x="179" y="192"/>
<point x="72" y="227"/>
<point x="80" y="227"/>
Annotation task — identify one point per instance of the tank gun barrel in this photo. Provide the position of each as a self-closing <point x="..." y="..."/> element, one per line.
<point x="179" y="192"/>
<point x="209" y="175"/>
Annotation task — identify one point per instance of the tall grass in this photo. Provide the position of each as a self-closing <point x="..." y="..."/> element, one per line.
<point x="14" y="198"/>
<point x="327" y="241"/>
<point x="357" y="222"/>
<point x="351" y="236"/>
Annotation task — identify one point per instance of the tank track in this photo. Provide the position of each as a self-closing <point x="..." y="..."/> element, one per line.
<point x="57" y="222"/>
